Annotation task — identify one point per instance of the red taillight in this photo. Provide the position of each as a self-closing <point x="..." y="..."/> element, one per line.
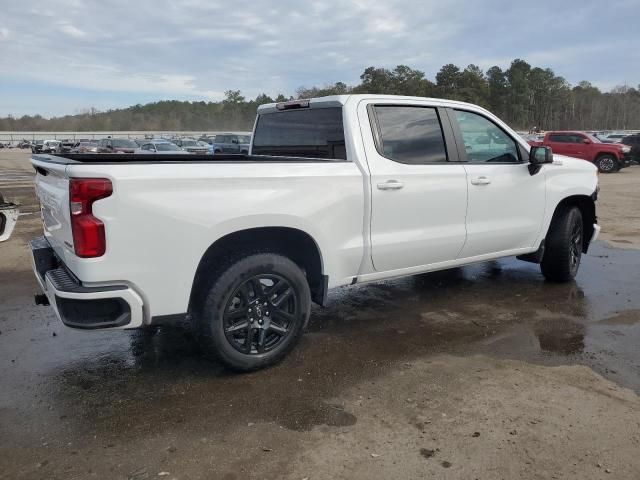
<point x="88" y="232"/>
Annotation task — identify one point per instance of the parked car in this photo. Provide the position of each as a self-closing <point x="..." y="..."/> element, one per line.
<point x="607" y="157"/>
<point x="633" y="142"/>
<point x="8" y="218"/>
<point x="615" y="137"/>
<point x="209" y="139"/>
<point x="371" y="187"/>
<point x="51" y="146"/>
<point x="36" y="146"/>
<point x="117" y="145"/>
<point x="24" y="144"/>
<point x="231" y="143"/>
<point x="161" y="147"/>
<point x="191" y="145"/>
<point x="85" y="147"/>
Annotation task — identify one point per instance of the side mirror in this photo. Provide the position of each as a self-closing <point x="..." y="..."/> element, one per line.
<point x="538" y="156"/>
<point x="586" y="141"/>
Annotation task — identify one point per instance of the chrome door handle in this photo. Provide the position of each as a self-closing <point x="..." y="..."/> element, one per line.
<point x="480" y="181"/>
<point x="390" y="185"/>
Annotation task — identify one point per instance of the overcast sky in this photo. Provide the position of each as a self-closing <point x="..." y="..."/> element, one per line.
<point x="62" y="56"/>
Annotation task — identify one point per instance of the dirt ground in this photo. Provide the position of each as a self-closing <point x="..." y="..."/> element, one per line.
<point x="483" y="372"/>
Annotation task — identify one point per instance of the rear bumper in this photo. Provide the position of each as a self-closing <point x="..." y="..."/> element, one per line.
<point x="79" y="306"/>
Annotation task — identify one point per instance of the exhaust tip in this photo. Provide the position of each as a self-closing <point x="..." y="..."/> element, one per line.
<point x="41" y="299"/>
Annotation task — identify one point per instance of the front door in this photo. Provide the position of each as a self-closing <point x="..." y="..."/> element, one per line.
<point x="419" y="196"/>
<point x="506" y="203"/>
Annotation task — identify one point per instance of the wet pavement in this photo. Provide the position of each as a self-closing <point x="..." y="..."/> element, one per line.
<point x="111" y="404"/>
<point x="63" y="389"/>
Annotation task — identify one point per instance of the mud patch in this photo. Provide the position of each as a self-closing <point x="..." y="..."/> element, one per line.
<point x="306" y="417"/>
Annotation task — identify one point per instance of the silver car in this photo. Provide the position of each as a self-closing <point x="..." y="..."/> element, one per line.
<point x="161" y="147"/>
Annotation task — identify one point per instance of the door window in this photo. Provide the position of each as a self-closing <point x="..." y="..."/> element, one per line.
<point x="410" y="134"/>
<point x="484" y="141"/>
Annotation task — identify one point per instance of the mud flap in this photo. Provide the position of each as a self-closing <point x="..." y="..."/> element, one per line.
<point x="533" y="257"/>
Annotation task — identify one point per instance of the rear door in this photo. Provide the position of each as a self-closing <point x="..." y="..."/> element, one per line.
<point x="418" y="188"/>
<point x="562" y="144"/>
<point x="225" y="143"/>
<point x="579" y="148"/>
<point x="506" y="203"/>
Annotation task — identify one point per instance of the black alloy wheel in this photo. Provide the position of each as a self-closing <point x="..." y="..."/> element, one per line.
<point x="260" y="314"/>
<point x="253" y="309"/>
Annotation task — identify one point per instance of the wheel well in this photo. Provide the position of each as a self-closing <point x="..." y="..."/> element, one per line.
<point x="587" y="208"/>
<point x="290" y="242"/>
<point x="606" y="154"/>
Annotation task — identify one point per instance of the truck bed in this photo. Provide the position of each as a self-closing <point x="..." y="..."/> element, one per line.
<point x="117" y="158"/>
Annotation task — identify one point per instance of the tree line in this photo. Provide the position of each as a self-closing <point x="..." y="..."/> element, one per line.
<point x="522" y="95"/>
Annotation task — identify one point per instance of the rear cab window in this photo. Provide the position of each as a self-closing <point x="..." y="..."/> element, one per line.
<point x="410" y="134"/>
<point x="305" y="132"/>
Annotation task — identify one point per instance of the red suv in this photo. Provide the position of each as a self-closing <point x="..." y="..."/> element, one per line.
<point x="608" y="157"/>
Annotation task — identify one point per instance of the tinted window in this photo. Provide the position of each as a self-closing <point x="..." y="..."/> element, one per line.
<point x="484" y="141"/>
<point x="560" y="138"/>
<point x="124" y="143"/>
<point x="410" y="134"/>
<point x="309" y="132"/>
<point x="167" y="147"/>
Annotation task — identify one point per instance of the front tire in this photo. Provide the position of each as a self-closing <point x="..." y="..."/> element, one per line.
<point x="563" y="245"/>
<point x="607" y="164"/>
<point x="254" y="313"/>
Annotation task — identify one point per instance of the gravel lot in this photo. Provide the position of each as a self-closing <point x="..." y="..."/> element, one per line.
<point x="483" y="372"/>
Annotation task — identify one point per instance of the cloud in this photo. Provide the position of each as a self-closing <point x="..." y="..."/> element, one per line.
<point x="200" y="48"/>
<point x="72" y="31"/>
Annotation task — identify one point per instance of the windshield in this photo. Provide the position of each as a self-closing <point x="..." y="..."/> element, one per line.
<point x="189" y="143"/>
<point x="124" y="143"/>
<point x="593" y="138"/>
<point x="167" y="147"/>
<point x="244" y="138"/>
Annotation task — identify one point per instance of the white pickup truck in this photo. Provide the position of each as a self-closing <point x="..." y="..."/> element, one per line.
<point x="335" y="191"/>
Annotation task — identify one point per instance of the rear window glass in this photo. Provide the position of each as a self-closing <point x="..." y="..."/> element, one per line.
<point x="411" y="134"/>
<point x="313" y="132"/>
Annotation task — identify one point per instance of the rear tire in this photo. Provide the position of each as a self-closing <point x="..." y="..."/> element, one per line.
<point x="255" y="311"/>
<point x="563" y="245"/>
<point x="607" y="164"/>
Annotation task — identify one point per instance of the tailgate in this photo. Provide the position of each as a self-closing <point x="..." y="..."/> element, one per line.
<point x="52" y="189"/>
